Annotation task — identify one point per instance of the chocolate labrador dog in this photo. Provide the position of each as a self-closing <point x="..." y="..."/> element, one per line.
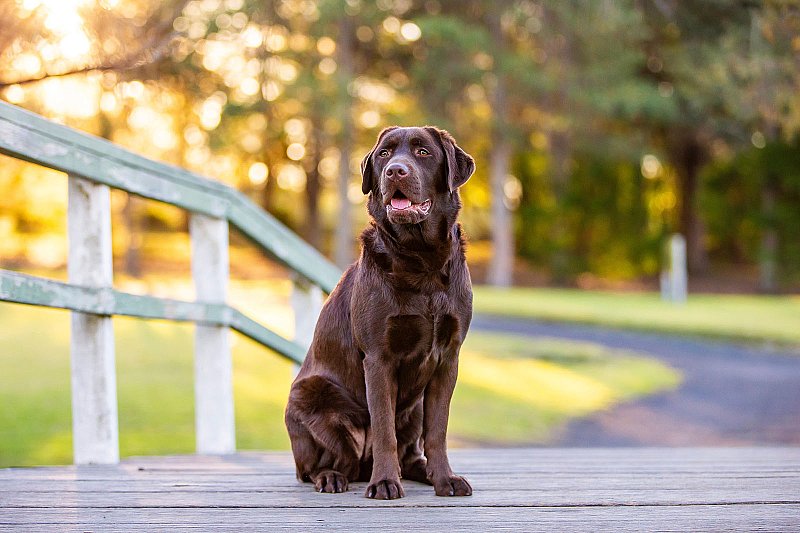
<point x="372" y="398"/>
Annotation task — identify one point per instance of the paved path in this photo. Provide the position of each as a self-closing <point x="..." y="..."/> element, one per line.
<point x="731" y="394"/>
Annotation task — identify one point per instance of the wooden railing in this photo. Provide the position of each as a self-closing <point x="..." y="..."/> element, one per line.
<point x="94" y="166"/>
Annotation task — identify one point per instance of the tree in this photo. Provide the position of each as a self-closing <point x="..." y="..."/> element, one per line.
<point x="501" y="268"/>
<point x="687" y="39"/>
<point x="471" y="35"/>
<point x="343" y="254"/>
<point x="732" y="75"/>
<point x="40" y="43"/>
<point x="588" y="119"/>
<point x="775" y="55"/>
<point x="98" y="41"/>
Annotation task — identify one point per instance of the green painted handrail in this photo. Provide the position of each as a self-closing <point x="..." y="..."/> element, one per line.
<point x="30" y="137"/>
<point x="32" y="290"/>
<point x="25" y="135"/>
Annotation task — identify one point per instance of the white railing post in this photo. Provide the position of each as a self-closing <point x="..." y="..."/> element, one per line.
<point x="95" y="430"/>
<point x="307" y="300"/>
<point x="213" y="372"/>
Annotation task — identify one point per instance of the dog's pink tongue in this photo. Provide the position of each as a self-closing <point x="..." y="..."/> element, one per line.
<point x="401" y="203"/>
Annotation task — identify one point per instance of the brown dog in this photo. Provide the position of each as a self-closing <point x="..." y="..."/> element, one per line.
<point x="374" y="390"/>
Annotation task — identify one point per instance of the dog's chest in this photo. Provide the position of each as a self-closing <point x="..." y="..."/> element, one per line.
<point x="425" y="324"/>
<point x="419" y="338"/>
<point x="418" y="344"/>
<point x="415" y="336"/>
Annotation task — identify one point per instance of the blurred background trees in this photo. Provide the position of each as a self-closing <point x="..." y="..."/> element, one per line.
<point x="599" y="127"/>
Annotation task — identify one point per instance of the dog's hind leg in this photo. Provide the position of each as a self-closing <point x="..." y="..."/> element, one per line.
<point x="305" y="450"/>
<point x="327" y="441"/>
<point x="338" y="463"/>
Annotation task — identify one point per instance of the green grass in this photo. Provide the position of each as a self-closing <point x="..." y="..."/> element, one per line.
<point x="155" y="390"/>
<point x="774" y="319"/>
<point x="517" y="390"/>
<point x="511" y="389"/>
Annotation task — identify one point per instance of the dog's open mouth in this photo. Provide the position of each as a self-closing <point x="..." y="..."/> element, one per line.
<point x="400" y="202"/>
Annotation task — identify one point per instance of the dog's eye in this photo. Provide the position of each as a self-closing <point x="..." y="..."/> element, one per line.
<point x="383" y="153"/>
<point x="423" y="151"/>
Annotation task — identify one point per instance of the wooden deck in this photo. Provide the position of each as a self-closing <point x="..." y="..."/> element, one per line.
<point x="677" y="489"/>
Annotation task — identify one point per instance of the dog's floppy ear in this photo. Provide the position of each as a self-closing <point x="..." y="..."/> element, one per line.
<point x="460" y="164"/>
<point x="367" y="173"/>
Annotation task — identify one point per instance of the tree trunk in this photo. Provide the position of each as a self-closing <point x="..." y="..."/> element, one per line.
<point x="131" y="216"/>
<point x="501" y="264"/>
<point x="560" y="151"/>
<point x="264" y="14"/>
<point x="557" y="103"/>
<point x="767" y="262"/>
<point x="343" y="247"/>
<point x="268" y="192"/>
<point x="768" y="253"/>
<point x="687" y="155"/>
<point x="312" y="231"/>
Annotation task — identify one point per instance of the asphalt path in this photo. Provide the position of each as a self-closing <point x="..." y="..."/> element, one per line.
<point x="731" y="394"/>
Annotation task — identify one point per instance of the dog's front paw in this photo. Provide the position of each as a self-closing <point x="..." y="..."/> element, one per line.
<point x="385" y="489"/>
<point x="330" y="481"/>
<point x="452" y="486"/>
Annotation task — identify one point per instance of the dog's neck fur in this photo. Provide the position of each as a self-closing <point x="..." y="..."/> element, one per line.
<point x="415" y="257"/>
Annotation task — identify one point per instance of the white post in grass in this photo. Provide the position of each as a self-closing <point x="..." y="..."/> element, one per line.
<point x="95" y="430"/>
<point x="307" y="300"/>
<point x="674" y="285"/>
<point x="678" y="277"/>
<point x="213" y="372"/>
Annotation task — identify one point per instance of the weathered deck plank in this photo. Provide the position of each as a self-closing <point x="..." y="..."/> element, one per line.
<point x="745" y="489"/>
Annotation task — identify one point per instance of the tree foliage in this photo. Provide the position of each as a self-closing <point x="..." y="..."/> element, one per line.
<point x="599" y="127"/>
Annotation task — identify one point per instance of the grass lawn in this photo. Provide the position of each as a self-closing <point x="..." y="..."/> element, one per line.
<point x="511" y="389"/>
<point x="515" y="390"/>
<point x="774" y="319"/>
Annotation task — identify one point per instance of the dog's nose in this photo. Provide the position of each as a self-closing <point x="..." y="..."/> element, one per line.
<point x="396" y="171"/>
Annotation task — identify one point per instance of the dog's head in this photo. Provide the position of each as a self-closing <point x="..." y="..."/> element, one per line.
<point x="411" y="173"/>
